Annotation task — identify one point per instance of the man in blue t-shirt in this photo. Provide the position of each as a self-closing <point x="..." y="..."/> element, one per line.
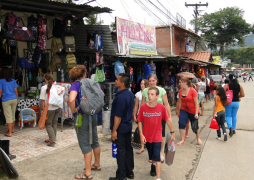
<point x="121" y="127"/>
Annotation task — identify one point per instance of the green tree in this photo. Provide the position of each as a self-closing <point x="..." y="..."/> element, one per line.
<point x="93" y="20"/>
<point x="224" y="28"/>
<point x="241" y="56"/>
<point x="113" y="26"/>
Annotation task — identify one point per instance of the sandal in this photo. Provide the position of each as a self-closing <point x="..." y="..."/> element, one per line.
<point x="47" y="141"/>
<point x="95" y="168"/>
<point x="52" y="144"/>
<point x="162" y="159"/>
<point x="83" y="176"/>
<point x="7" y="135"/>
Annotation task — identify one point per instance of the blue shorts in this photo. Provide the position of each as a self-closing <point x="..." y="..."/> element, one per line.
<point x="184" y="117"/>
<point x="154" y="150"/>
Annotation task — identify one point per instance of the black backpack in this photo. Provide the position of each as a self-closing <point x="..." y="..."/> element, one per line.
<point x="32" y="25"/>
<point x="58" y="28"/>
<point x="37" y="56"/>
<point x="68" y="25"/>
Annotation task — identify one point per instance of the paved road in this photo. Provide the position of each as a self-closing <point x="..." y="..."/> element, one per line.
<point x="232" y="159"/>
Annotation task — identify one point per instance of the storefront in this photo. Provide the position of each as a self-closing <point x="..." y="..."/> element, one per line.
<point x="39" y="37"/>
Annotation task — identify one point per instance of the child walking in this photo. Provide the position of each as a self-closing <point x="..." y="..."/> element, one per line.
<point x="152" y="114"/>
<point x="219" y="111"/>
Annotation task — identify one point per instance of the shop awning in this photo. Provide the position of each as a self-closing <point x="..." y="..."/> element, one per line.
<point x="51" y="8"/>
<point x="142" y="58"/>
<point x="198" y="55"/>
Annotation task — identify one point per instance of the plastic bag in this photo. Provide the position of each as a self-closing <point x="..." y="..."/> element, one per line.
<point x="137" y="136"/>
<point x="214" y="124"/>
<point x="169" y="150"/>
<point x="78" y="120"/>
<point x="54" y="98"/>
<point x="119" y="68"/>
<point x="99" y="75"/>
<point x="229" y="94"/>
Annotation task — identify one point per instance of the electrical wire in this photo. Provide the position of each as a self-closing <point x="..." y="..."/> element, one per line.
<point x="160" y="10"/>
<point x="125" y="10"/>
<point x="147" y="9"/>
<point x="107" y="13"/>
<point x="167" y="10"/>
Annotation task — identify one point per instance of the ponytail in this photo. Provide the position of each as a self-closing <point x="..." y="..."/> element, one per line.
<point x="189" y="83"/>
<point x="49" y="78"/>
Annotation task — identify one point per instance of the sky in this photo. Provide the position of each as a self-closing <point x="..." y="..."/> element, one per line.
<point x="131" y="10"/>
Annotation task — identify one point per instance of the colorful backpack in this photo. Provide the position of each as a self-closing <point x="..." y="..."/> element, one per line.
<point x="70" y="62"/>
<point x="42" y="29"/>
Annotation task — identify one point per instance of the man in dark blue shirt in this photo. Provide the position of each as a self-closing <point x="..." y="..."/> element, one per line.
<point x="121" y="127"/>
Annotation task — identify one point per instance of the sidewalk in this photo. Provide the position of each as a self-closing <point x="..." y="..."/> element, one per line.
<point x="66" y="161"/>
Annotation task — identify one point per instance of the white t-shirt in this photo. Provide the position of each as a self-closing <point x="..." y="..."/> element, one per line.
<point x="223" y="79"/>
<point x="208" y="80"/>
<point x="201" y="88"/>
<point x="44" y="96"/>
<point x="139" y="96"/>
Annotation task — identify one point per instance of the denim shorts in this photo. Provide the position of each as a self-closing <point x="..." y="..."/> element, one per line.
<point x="183" y="117"/>
<point x="154" y="150"/>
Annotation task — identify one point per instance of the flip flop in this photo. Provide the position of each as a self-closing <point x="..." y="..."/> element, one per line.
<point x="186" y="135"/>
<point x="139" y="152"/>
<point x="47" y="141"/>
<point x="95" y="168"/>
<point x="162" y="159"/>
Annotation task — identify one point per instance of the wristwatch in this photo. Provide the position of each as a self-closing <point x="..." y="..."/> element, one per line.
<point x="172" y="132"/>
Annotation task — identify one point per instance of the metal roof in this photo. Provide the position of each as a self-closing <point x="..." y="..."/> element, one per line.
<point x="51" y="8"/>
<point x="81" y="32"/>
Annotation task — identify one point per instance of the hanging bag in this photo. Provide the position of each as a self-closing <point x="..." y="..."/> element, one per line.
<point x="229" y="94"/>
<point x="119" y="68"/>
<point x="79" y="117"/>
<point x="44" y="117"/>
<point x="214" y="124"/>
<point x="99" y="75"/>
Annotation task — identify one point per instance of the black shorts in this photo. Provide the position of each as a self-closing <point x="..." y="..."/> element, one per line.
<point x="163" y="123"/>
<point x="154" y="150"/>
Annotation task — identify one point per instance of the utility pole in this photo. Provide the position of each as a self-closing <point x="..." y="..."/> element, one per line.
<point x="196" y="14"/>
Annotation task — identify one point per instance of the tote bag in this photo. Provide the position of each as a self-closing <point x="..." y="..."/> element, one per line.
<point x="229" y="94"/>
<point x="214" y="124"/>
<point x="43" y="117"/>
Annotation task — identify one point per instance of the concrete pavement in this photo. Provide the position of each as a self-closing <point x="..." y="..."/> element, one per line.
<point x="232" y="159"/>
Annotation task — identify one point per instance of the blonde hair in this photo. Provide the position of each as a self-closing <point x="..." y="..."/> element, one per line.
<point x="185" y="79"/>
<point x="77" y="72"/>
<point x="203" y="78"/>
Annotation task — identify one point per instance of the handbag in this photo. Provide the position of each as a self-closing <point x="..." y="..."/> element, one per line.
<point x="229" y="94"/>
<point x="43" y="116"/>
<point x="19" y="33"/>
<point x="194" y="126"/>
<point x="214" y="124"/>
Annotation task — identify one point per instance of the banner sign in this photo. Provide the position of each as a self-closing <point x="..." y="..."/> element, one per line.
<point x="135" y="38"/>
<point x="216" y="59"/>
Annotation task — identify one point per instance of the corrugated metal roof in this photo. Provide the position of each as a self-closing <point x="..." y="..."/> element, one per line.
<point x="198" y="55"/>
<point x="51" y="8"/>
<point x="81" y="32"/>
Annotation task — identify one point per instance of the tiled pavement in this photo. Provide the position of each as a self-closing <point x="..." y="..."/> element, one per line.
<point x="29" y="142"/>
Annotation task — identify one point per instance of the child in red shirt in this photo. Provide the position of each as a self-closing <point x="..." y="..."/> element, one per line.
<point x="152" y="114"/>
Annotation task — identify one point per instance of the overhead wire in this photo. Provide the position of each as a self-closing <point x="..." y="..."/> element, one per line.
<point x="167" y="10"/>
<point x="147" y="9"/>
<point x="162" y="12"/>
<point x="107" y="13"/>
<point x="125" y="10"/>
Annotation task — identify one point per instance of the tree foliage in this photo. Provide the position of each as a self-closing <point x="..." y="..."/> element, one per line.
<point x="93" y="20"/>
<point x="113" y="26"/>
<point x="241" y="56"/>
<point x="224" y="28"/>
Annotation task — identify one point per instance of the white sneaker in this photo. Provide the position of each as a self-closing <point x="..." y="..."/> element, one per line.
<point x="218" y="138"/>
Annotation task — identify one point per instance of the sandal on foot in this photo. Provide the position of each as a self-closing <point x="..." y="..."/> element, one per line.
<point x="83" y="176"/>
<point x="186" y="135"/>
<point x="95" y="168"/>
<point x="139" y="151"/>
<point x="47" y="141"/>
<point x="52" y="144"/>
